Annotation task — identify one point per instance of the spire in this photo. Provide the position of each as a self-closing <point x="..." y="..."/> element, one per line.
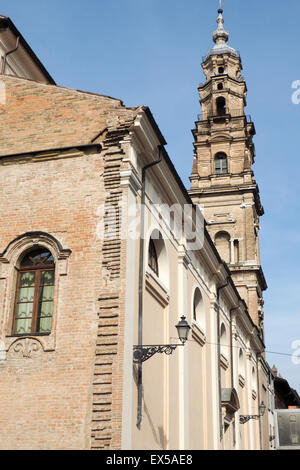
<point x="220" y="37"/>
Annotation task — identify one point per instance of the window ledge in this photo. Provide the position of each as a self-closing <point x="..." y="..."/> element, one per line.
<point x="224" y="362"/>
<point x="198" y="334"/>
<point x="157" y="288"/>
<point x="242" y="381"/>
<point x="157" y="279"/>
<point x="28" y="335"/>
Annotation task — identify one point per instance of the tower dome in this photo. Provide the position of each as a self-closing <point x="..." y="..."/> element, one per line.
<point x="220" y="37"/>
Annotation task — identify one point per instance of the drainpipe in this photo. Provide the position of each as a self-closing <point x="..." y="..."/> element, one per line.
<point x="141" y="285"/>
<point x="231" y="360"/>
<point x="258" y="400"/>
<point x="219" y="358"/>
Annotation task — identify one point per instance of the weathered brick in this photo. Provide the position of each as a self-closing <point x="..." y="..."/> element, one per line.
<point x="45" y="398"/>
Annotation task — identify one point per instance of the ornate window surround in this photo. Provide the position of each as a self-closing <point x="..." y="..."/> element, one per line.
<point x="8" y="275"/>
<point x="34" y="294"/>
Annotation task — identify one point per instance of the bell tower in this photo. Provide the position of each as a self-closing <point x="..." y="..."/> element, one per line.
<point x="222" y="179"/>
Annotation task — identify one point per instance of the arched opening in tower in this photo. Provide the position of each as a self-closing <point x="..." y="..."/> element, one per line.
<point x="221" y="106"/>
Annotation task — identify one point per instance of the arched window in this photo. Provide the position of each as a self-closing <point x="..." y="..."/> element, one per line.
<point x="241" y="363"/>
<point x="221" y="106"/>
<point x="221" y="166"/>
<point x="222" y="242"/>
<point x="223" y="341"/>
<point x="198" y="309"/>
<point x="152" y="257"/>
<point x="34" y="294"/>
<point x="254" y="383"/>
<point x="236" y="252"/>
<point x="158" y="258"/>
<point x="220" y="86"/>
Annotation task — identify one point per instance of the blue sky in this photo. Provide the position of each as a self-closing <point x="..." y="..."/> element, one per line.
<point x="149" y="52"/>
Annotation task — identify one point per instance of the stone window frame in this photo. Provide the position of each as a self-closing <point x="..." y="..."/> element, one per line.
<point x="242" y="363"/>
<point x="224" y="349"/>
<point x="8" y="282"/>
<point x="221" y="163"/>
<point x="152" y="257"/>
<point x="220" y="237"/>
<point x="198" y="309"/>
<point x="163" y="262"/>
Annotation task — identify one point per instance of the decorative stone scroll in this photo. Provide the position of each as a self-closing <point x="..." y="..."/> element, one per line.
<point x="26" y="347"/>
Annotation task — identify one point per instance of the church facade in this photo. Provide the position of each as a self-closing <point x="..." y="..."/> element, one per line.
<point x="103" y="253"/>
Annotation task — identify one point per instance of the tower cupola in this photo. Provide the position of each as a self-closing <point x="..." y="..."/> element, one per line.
<point x="220" y="37"/>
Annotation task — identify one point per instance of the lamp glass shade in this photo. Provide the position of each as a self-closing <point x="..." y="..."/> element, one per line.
<point x="262" y="409"/>
<point x="183" y="330"/>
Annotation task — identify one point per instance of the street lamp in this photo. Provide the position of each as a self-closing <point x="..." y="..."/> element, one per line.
<point x="142" y="353"/>
<point x="183" y="330"/>
<point x="262" y="409"/>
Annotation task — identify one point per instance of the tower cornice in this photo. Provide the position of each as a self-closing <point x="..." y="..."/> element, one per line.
<point x="239" y="81"/>
<point x="226" y="190"/>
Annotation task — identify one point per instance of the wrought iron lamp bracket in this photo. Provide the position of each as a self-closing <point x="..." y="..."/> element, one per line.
<point x="143" y="353"/>
<point x="245" y="418"/>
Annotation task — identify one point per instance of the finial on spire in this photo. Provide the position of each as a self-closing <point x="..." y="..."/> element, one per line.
<point x="221" y="36"/>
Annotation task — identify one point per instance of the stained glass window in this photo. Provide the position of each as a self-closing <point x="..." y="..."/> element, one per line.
<point x="35" y="293"/>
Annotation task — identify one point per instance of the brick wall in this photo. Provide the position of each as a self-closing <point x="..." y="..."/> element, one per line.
<point x="38" y="116"/>
<point x="66" y="391"/>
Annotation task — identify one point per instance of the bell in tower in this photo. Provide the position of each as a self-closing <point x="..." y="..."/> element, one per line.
<point x="222" y="179"/>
